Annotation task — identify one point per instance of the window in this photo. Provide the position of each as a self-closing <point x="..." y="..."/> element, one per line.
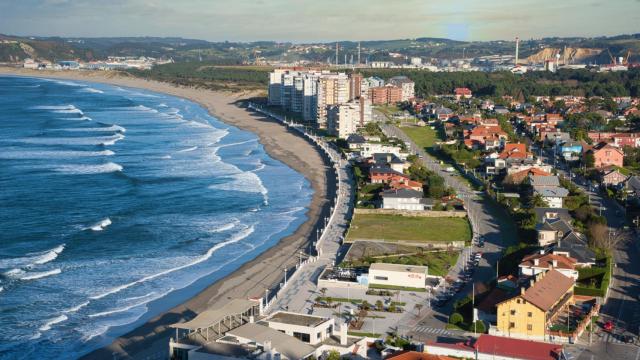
<point x="513" y="312"/>
<point x="530" y="314"/>
<point x="518" y="301"/>
<point x="512" y="325"/>
<point x="381" y="278"/>
<point x="529" y="327"/>
<point x="302" y="337"/>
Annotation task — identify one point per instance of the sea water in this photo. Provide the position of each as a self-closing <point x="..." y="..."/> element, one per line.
<point x="117" y="204"/>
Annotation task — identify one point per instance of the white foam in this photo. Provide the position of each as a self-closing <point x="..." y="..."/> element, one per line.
<point x="53" y="107"/>
<point x="45" y="154"/>
<point x="101" y="140"/>
<point x="236" y="143"/>
<point x="76" y="308"/>
<point x="100" y="225"/>
<point x="32" y="259"/>
<point x="56" y="320"/>
<point x="225" y="227"/>
<point x="82" y="118"/>
<point x="166" y="157"/>
<point x="235" y="238"/>
<point x="149" y="297"/>
<point x="92" y="90"/>
<point x="244" y="182"/>
<point x="112" y="128"/>
<point x="114" y="139"/>
<point x="20" y="274"/>
<point x="81" y="169"/>
<point x="193" y="148"/>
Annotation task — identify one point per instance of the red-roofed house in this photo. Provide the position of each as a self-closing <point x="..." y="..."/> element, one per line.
<point x="520" y="176"/>
<point x="414" y="355"/>
<point x="385" y="175"/>
<point x="489" y="347"/>
<point x="535" y="264"/>
<point x="463" y="93"/>
<point x="514" y="151"/>
<point x="553" y="119"/>
<point x="607" y="155"/>
<point x="485" y="137"/>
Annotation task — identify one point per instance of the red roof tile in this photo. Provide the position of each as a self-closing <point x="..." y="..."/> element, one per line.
<point x="517" y="349"/>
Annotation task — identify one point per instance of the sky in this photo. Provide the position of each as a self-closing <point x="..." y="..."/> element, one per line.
<point x="321" y="20"/>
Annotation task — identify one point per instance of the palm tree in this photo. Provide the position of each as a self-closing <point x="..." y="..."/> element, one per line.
<point x="323" y="291"/>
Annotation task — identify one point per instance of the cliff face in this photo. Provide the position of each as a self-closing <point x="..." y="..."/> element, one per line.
<point x="18" y="49"/>
<point x="572" y="55"/>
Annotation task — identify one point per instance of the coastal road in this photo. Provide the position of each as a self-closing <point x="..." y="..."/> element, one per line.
<point x="299" y="292"/>
<point x="489" y="221"/>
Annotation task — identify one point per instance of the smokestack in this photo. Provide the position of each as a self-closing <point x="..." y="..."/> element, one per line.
<point x="337" y="46"/>
<point x="358" y="52"/>
<point x="517" y="49"/>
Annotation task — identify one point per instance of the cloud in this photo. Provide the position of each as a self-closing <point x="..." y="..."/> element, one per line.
<point x="303" y="20"/>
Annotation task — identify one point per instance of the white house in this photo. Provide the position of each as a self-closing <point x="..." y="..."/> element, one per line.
<point x="405" y="199"/>
<point x="398" y="275"/>
<point x="535" y="264"/>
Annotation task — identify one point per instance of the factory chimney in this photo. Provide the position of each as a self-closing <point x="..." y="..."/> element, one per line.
<point x="517" y="49"/>
<point x="337" y="47"/>
<point x="359" y="53"/>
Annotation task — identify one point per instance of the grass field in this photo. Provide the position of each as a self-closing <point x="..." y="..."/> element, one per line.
<point x="404" y="228"/>
<point x="438" y="262"/>
<point x="424" y="137"/>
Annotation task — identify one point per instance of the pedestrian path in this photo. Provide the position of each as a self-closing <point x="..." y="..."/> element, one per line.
<point x="434" y="331"/>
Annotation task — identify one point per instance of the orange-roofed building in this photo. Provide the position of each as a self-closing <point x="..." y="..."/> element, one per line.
<point x="404" y="183"/>
<point x="514" y="151"/>
<point x="520" y="176"/>
<point x="553" y="119"/>
<point x="535" y="264"/>
<point x="463" y="93"/>
<point x="487" y="137"/>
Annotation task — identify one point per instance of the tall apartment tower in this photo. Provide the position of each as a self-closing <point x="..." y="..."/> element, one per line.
<point x="333" y="89"/>
<point x="355" y="86"/>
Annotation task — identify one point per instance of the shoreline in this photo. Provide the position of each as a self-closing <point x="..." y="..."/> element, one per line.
<point x="252" y="278"/>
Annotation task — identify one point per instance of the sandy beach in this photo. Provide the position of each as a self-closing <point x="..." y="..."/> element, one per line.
<point x="250" y="280"/>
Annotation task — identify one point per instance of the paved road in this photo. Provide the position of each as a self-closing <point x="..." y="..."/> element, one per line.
<point x="622" y="306"/>
<point x="488" y="219"/>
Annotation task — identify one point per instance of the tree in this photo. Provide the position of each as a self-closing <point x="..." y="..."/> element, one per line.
<point x="455" y="318"/>
<point x="333" y="355"/>
<point x="418" y="307"/>
<point x="323" y="291"/>
<point x="589" y="160"/>
<point x="379" y="305"/>
<point x="365" y="305"/>
<point x="605" y="238"/>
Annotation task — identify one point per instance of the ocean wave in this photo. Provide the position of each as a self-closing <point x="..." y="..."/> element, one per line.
<point x="112" y="140"/>
<point x="70" y="109"/>
<point x="45" y="154"/>
<point x="81" y="118"/>
<point x="104" y="140"/>
<point x="235" y="144"/>
<point x="243" y="182"/>
<point x="56" y="320"/>
<point x="100" y="225"/>
<point x="20" y="274"/>
<point x="111" y="128"/>
<point x="225" y="227"/>
<point x="32" y="259"/>
<point x="148" y="298"/>
<point x="92" y="90"/>
<point x="81" y="169"/>
<point x="76" y="308"/>
<point x="53" y="107"/>
<point x="193" y="148"/>
<point x="233" y="239"/>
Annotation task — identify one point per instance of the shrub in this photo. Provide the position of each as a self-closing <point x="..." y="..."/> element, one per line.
<point x="479" y="327"/>
<point x="455" y="318"/>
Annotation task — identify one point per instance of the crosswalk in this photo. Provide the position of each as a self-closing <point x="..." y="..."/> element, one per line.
<point x="434" y="331"/>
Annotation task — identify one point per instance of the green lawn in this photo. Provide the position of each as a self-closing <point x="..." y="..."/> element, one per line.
<point x="405" y="228"/>
<point x="438" y="262"/>
<point x="423" y="136"/>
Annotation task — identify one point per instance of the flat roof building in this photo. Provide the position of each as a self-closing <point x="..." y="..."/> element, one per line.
<point x="409" y="276"/>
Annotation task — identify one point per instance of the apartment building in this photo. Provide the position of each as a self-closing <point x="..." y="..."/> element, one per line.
<point x="333" y="89"/>
<point x="407" y="87"/>
<point x="344" y="119"/>
<point x="388" y="94"/>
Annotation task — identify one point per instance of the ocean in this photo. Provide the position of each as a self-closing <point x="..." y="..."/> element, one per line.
<point x="117" y="204"/>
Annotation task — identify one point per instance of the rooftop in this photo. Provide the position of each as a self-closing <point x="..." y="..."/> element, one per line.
<point x="537" y="180"/>
<point x="546" y="261"/>
<point x="399" y="268"/>
<point x="296" y="319"/>
<point x="288" y="346"/>
<point x="545" y="292"/>
<point x="517" y="349"/>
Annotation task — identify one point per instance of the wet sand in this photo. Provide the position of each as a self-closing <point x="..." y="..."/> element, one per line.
<point x="250" y="280"/>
